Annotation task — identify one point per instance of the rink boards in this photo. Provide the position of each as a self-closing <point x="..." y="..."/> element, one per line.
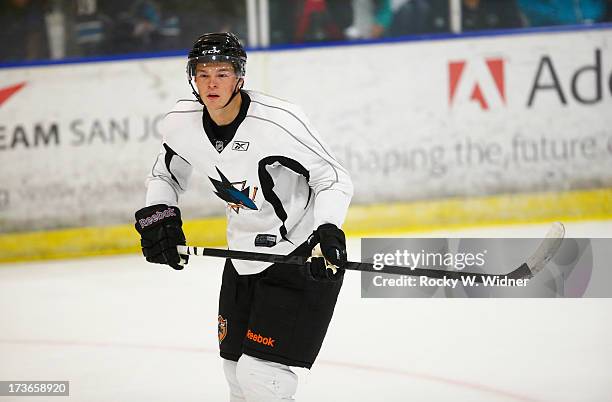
<point x="434" y="133"/>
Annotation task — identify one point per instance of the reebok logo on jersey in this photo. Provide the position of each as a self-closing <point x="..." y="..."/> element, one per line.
<point x="240" y="146"/>
<point x="259" y="339"/>
<point x="156" y="217"/>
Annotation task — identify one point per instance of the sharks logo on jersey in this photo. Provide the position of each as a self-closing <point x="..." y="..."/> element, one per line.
<point x="236" y="194"/>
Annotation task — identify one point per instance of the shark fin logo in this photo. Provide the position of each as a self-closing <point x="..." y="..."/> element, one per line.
<point x="236" y="194"/>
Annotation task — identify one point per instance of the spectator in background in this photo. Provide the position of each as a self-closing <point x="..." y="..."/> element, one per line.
<point x="193" y="15"/>
<point x="419" y="17"/>
<point x="490" y="14"/>
<point x="371" y="19"/>
<point x="146" y="15"/>
<point x="231" y="15"/>
<point x="608" y="17"/>
<point x="322" y="20"/>
<point x="23" y="31"/>
<point x="282" y="18"/>
<point x="140" y="27"/>
<point x="562" y="12"/>
<point x="89" y="29"/>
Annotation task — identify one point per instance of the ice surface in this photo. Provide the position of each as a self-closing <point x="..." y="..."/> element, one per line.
<point x="120" y="329"/>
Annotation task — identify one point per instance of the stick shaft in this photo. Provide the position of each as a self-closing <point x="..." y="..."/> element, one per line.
<point x="521" y="272"/>
<point x="530" y="267"/>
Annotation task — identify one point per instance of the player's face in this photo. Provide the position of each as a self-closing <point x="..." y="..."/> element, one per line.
<point x="216" y="82"/>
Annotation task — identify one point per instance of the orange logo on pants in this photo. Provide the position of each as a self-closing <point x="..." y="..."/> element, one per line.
<point x="259" y="339"/>
<point x="222" y="328"/>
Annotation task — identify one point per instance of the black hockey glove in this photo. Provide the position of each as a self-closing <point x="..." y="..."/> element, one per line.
<point x="322" y="270"/>
<point x="333" y="247"/>
<point x="160" y="229"/>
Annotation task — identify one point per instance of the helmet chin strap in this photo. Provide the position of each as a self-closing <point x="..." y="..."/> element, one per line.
<point x="195" y="93"/>
<point x="235" y="92"/>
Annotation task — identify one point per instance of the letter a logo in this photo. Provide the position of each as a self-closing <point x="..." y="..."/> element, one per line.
<point x="7" y="92"/>
<point x="483" y="83"/>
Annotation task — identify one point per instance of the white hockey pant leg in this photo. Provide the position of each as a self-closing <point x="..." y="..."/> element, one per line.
<point x="229" y="368"/>
<point x="265" y="381"/>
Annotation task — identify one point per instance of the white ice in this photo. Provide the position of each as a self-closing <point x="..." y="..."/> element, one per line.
<point x="120" y="329"/>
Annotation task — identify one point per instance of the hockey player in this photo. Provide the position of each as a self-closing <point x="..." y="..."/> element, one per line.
<point x="284" y="192"/>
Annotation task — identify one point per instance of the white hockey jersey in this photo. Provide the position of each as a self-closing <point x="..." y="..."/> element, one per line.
<point x="277" y="178"/>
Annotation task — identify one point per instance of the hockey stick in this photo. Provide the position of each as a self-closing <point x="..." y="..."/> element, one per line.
<point x="534" y="264"/>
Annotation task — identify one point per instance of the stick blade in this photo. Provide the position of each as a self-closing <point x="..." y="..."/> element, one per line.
<point x="547" y="249"/>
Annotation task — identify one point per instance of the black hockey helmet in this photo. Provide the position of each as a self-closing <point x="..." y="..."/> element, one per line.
<point x="217" y="47"/>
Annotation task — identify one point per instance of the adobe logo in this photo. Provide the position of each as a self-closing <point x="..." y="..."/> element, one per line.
<point x="480" y="81"/>
<point x="7" y="92"/>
